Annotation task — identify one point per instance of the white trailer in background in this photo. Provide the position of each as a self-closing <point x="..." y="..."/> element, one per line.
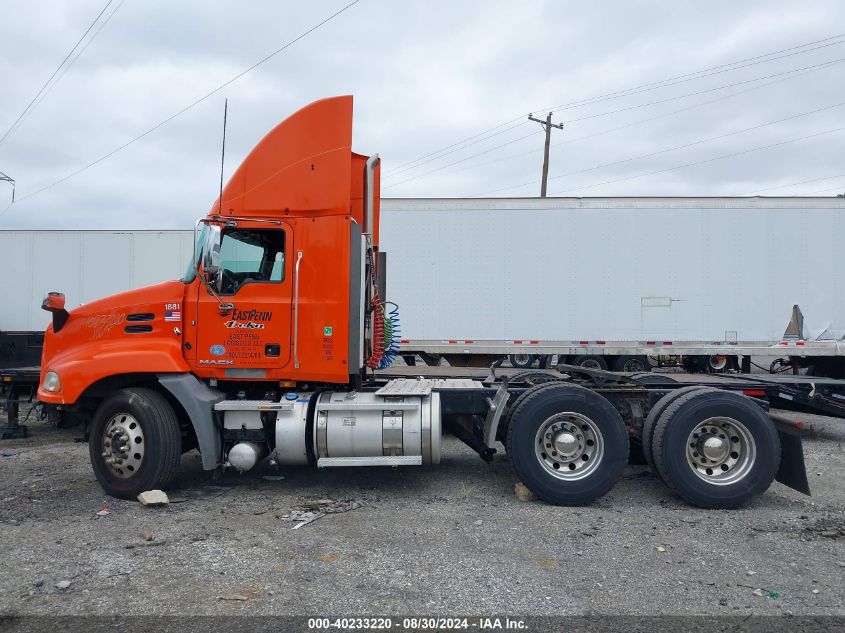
<point x="609" y="282"/>
<point x="84" y="265"/>
<point x="616" y="283"/>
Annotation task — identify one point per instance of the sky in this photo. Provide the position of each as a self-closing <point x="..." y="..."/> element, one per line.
<point x="671" y="98"/>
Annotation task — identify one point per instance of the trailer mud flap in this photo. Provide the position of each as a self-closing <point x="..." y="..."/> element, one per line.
<point x="792" y="471"/>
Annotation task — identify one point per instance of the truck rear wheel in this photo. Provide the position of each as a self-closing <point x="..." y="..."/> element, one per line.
<point x="522" y="361"/>
<point x="567" y="443"/>
<point x="135" y="442"/>
<point x="716" y="449"/>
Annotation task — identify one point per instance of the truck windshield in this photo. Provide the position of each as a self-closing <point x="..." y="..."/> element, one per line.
<point x="193" y="264"/>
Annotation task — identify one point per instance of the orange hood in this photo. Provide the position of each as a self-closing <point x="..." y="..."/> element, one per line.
<point x="138" y="330"/>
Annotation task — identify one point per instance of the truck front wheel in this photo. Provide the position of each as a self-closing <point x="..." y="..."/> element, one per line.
<point x="567" y="443"/>
<point x="135" y="442"/>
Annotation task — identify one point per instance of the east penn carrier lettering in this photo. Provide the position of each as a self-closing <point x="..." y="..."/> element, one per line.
<point x="248" y="319"/>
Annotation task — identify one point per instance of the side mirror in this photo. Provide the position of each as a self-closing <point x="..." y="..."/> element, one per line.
<point x="211" y="254"/>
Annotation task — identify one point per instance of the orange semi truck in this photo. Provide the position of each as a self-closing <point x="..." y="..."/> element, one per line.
<point x="268" y="345"/>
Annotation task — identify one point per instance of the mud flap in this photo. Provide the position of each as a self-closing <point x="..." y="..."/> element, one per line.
<point x="792" y="471"/>
<point x="198" y="400"/>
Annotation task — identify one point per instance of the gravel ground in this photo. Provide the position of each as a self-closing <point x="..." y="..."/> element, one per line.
<point x="449" y="539"/>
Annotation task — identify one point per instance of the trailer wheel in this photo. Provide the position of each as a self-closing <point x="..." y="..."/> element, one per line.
<point x="716" y="449"/>
<point x="589" y="362"/>
<point x="631" y="364"/>
<point x="522" y="361"/>
<point x="567" y="443"/>
<point x="653" y="417"/>
<point x="135" y="442"/>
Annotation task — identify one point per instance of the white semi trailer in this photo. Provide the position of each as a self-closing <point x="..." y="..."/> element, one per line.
<point x="619" y="283"/>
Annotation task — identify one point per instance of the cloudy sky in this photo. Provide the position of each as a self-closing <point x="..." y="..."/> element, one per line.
<point x="657" y="98"/>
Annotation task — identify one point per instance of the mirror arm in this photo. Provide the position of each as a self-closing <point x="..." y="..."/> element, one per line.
<point x="224" y="307"/>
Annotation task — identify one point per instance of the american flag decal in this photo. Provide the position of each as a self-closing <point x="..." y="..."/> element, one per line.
<point x="172" y="315"/>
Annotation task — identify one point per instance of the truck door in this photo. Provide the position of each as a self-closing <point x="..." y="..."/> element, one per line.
<point x="255" y="277"/>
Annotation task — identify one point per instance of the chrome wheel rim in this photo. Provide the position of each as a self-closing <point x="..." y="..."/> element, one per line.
<point x="569" y="446"/>
<point x="721" y="451"/>
<point x="123" y="445"/>
<point x="521" y="359"/>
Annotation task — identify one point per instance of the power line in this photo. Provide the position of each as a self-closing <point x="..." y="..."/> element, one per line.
<point x="673" y="149"/>
<point x="616" y="129"/>
<point x="457" y="162"/>
<point x="792" y="184"/>
<point x="621" y="93"/>
<point x="687" y="78"/>
<point x="55" y="72"/>
<point x="706" y="90"/>
<point x="67" y="67"/>
<point x="702" y="162"/>
<point x="784" y="76"/>
<point x="186" y="108"/>
<point x="400" y="169"/>
<point x="840" y="188"/>
<point x="652" y="86"/>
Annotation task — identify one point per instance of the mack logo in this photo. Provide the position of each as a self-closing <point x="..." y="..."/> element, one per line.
<point x="252" y="315"/>
<point x="238" y="325"/>
<point x="216" y="362"/>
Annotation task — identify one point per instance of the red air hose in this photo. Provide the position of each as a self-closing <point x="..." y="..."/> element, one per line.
<point x="375" y="358"/>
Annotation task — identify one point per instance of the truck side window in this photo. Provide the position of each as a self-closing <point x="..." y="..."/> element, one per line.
<point x="249" y="256"/>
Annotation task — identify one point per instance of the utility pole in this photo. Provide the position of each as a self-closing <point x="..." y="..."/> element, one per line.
<point x="547" y="126"/>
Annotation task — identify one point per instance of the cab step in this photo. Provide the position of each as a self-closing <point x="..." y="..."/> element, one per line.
<point x="253" y="405"/>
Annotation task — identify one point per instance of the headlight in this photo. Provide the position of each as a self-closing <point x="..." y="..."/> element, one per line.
<point x="52" y="382"/>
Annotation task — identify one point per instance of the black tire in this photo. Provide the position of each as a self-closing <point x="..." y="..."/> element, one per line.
<point x="653" y="417"/>
<point x="534" y="410"/>
<point x="160" y="437"/>
<point x="650" y="380"/>
<point x="687" y="414"/>
<point x="631" y="364"/>
<point x="522" y="361"/>
<point x="590" y="362"/>
<point x="531" y="378"/>
<point x="534" y="377"/>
